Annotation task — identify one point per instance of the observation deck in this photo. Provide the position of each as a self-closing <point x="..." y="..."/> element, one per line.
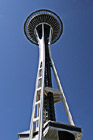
<point x="43" y="17"/>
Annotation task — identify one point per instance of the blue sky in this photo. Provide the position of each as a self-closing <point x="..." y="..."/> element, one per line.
<point x="72" y="54"/>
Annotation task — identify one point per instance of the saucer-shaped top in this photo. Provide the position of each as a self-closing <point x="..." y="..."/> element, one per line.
<point x="46" y="17"/>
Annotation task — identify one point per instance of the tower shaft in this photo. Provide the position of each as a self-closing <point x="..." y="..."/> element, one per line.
<point x="46" y="101"/>
<point x="49" y="113"/>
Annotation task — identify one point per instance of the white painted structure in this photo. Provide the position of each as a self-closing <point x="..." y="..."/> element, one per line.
<point x="38" y="129"/>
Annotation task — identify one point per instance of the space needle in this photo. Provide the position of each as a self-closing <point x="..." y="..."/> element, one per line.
<point x="43" y="28"/>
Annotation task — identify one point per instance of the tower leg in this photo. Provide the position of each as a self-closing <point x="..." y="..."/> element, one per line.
<point x="37" y="119"/>
<point x="69" y="116"/>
